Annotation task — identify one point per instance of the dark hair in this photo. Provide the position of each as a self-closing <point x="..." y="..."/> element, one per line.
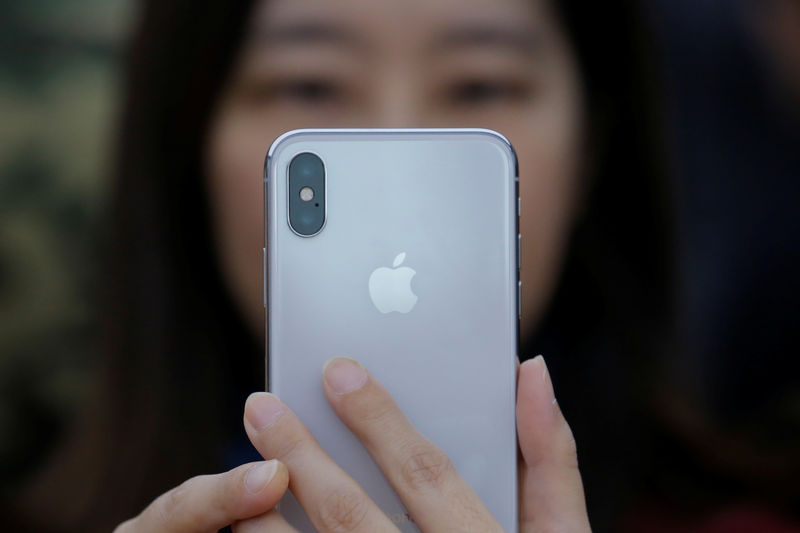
<point x="176" y="345"/>
<point x="610" y="325"/>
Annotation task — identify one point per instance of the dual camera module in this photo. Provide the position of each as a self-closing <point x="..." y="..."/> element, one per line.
<point x="306" y="194"/>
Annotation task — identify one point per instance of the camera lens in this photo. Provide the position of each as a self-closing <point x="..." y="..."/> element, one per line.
<point x="306" y="183"/>
<point x="306" y="166"/>
<point x="305" y="169"/>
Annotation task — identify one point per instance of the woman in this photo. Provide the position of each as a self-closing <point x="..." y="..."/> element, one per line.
<point x="210" y="85"/>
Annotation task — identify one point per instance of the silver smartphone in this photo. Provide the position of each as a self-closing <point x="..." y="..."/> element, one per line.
<point x="399" y="248"/>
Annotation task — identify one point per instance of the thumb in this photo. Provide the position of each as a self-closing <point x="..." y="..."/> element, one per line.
<point x="550" y="487"/>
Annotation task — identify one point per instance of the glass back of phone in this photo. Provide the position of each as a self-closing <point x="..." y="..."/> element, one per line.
<point x="415" y="275"/>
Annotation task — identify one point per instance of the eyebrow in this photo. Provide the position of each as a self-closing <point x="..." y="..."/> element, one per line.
<point x="509" y="36"/>
<point x="306" y="32"/>
<point x="512" y="37"/>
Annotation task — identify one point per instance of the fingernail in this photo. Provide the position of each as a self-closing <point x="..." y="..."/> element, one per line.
<point x="344" y="375"/>
<point x="540" y="360"/>
<point x="544" y="378"/>
<point x="265" y="409"/>
<point x="259" y="475"/>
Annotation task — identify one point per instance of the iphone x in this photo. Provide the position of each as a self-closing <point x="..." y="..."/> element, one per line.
<point x="400" y="249"/>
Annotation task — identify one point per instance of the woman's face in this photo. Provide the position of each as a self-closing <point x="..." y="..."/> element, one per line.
<point x="504" y="65"/>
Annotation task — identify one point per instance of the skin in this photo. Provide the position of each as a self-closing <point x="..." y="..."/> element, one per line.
<point x="503" y="65"/>
<point x="436" y="497"/>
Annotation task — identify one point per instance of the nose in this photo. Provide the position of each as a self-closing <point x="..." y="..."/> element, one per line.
<point x="399" y="101"/>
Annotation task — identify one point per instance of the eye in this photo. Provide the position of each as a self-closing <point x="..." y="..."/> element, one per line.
<point x="482" y="92"/>
<point x="301" y="91"/>
<point x="310" y="91"/>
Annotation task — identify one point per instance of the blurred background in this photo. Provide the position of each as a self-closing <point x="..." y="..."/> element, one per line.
<point x="58" y="93"/>
<point x="730" y="75"/>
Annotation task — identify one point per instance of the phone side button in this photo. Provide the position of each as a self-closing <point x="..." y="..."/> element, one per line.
<point x="519" y="206"/>
<point x="519" y="251"/>
<point x="519" y="299"/>
<point x="264" y="275"/>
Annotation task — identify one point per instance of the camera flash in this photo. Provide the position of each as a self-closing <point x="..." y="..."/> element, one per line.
<point x="306" y="194"/>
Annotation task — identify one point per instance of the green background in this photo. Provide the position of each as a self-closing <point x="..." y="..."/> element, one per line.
<point x="59" y="91"/>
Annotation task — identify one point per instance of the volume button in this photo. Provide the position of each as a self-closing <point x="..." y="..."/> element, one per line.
<point x="264" y="274"/>
<point x="519" y="206"/>
<point x="519" y="251"/>
<point x="519" y="299"/>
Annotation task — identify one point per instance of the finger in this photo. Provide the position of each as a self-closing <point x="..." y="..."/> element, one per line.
<point x="332" y="500"/>
<point x="206" y="503"/>
<point x="436" y="496"/>
<point x="269" y="522"/>
<point x="550" y="487"/>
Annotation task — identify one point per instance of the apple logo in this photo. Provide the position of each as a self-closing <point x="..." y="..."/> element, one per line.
<point x="390" y="288"/>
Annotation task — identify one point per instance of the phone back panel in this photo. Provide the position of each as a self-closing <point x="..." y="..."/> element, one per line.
<point x="447" y="199"/>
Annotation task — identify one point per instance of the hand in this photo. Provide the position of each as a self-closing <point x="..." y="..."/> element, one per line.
<point x="208" y="503"/>
<point x="550" y="489"/>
